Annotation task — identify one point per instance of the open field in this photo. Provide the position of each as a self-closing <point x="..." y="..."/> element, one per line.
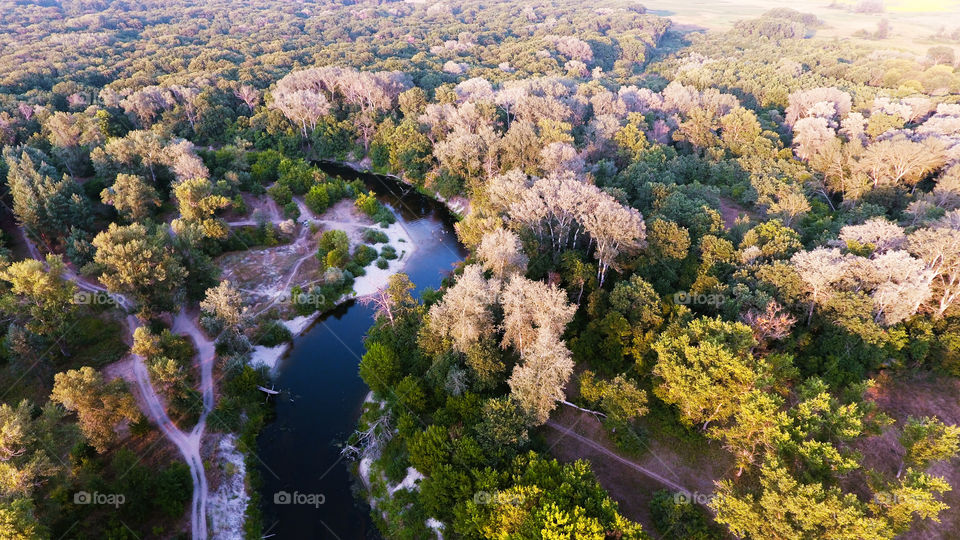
<point x="912" y="22"/>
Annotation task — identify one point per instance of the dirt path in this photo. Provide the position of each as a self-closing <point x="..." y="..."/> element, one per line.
<point x="731" y="211"/>
<point x="600" y="448"/>
<point x="150" y="402"/>
<point x="189" y="445"/>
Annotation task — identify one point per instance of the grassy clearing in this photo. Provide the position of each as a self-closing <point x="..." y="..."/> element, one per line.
<point x="912" y="22"/>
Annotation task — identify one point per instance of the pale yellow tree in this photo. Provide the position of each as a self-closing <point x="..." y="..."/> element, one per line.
<point x="502" y="253"/>
<point x="899" y="160"/>
<point x="198" y="203"/>
<point x="939" y="249"/>
<point x="538" y="382"/>
<point x="820" y="269"/>
<point x="463" y="315"/>
<point x="132" y="196"/>
<point x="615" y="230"/>
<point x="533" y="310"/>
<point x="99" y="405"/>
<point x="225" y="303"/>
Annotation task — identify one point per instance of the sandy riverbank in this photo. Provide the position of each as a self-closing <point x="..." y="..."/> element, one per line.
<point x="365" y="285"/>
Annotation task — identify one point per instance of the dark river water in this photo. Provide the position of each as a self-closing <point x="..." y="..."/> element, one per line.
<point x="322" y="394"/>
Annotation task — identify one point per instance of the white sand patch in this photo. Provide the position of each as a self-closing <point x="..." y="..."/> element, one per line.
<point x="409" y="482"/>
<point x="299" y="324"/>
<point x="437" y="526"/>
<point x="227" y="506"/>
<point x="268" y="356"/>
<point x="364" y="470"/>
<point x="375" y="277"/>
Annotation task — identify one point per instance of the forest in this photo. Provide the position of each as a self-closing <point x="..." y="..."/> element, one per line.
<point x="712" y="283"/>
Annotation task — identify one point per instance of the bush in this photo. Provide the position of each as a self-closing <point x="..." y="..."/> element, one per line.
<point x="318" y="199"/>
<point x="337" y="258"/>
<point x="373" y="236"/>
<point x="263" y="166"/>
<point x="334" y="249"/>
<point x="363" y="255"/>
<point x="281" y="193"/>
<point x="384" y="216"/>
<point x="388" y="252"/>
<point x="271" y="333"/>
<point x="382" y="263"/>
<point x="355" y="269"/>
<point x="367" y="203"/>
<point x="297" y="174"/>
<point x="626" y="437"/>
<point x="334" y="239"/>
<point x="291" y="210"/>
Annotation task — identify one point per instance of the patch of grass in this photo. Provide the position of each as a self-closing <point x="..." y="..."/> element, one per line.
<point x="96" y="342"/>
<point x="629" y="439"/>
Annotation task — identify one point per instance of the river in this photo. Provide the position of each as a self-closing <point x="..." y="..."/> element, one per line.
<point x="321" y="393"/>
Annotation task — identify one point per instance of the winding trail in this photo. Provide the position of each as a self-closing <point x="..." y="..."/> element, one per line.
<point x="187" y="443"/>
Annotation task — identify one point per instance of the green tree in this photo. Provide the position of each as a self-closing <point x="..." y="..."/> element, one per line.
<point x="39" y="296"/>
<point x="32" y="449"/>
<point x="47" y="208"/>
<point x="136" y="263"/>
<point x="198" y="203"/>
<point x="380" y="368"/>
<point x="927" y="440"/>
<point x="18" y="521"/>
<point x="787" y="508"/>
<point x="772" y="240"/>
<point x="99" y="405"/>
<point x="504" y="426"/>
<point x="705" y="368"/>
<point x="132" y="196"/>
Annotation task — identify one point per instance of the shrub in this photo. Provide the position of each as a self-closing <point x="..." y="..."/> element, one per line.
<point x="373" y="236"/>
<point x="263" y="168"/>
<point x="291" y="210"/>
<point x="367" y="203"/>
<point x="271" y="333"/>
<point x="364" y="255"/>
<point x="318" y="198"/>
<point x="281" y="194"/>
<point x="337" y="258"/>
<point x="388" y="252"/>
<point x="382" y="263"/>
